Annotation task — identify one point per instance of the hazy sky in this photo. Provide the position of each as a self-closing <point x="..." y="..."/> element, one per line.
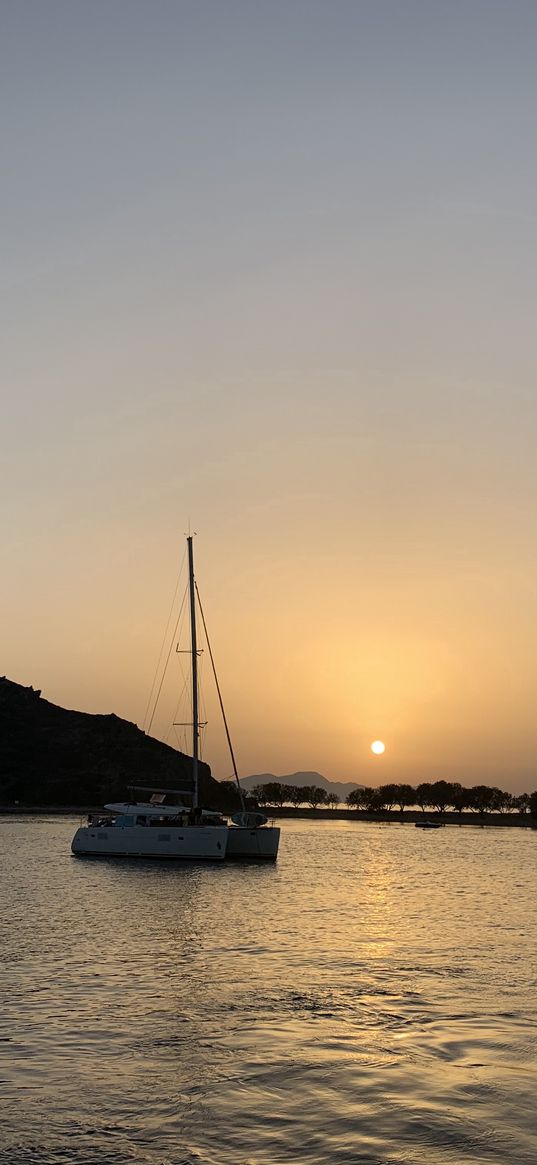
<point x="270" y="268"/>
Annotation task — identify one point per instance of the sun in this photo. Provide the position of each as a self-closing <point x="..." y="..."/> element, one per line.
<point x="378" y="747"/>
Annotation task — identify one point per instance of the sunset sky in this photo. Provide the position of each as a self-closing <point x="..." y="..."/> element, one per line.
<point x="269" y="273"/>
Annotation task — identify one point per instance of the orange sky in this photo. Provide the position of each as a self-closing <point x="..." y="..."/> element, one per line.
<point x="270" y="272"/>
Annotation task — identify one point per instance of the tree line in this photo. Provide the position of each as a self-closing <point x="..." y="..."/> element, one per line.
<point x="436" y="796"/>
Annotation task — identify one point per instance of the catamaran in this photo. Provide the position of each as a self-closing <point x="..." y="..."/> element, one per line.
<point x="165" y="825"/>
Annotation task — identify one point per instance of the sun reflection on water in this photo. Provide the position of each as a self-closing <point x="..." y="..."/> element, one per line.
<point x="369" y="998"/>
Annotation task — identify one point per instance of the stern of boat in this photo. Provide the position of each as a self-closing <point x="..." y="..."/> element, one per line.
<point x="251" y="844"/>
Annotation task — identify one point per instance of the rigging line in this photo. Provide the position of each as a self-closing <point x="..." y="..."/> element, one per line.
<point x="202" y="706"/>
<point x="176" y="713"/>
<point x="146" y="713"/>
<point x="185" y="695"/>
<point x="166" y="664"/>
<point x="230" y="746"/>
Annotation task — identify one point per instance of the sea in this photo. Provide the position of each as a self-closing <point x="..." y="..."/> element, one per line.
<point x="370" y="998"/>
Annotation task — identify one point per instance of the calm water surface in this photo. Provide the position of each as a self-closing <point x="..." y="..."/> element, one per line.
<point x="372" y="998"/>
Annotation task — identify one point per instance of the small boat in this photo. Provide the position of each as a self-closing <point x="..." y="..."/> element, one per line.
<point x="158" y="827"/>
<point x="429" y="824"/>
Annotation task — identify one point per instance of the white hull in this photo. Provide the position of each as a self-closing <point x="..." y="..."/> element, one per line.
<point x="191" y="842"/>
<point x="253" y="843"/>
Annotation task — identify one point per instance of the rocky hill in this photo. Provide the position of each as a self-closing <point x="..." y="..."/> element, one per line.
<point x="52" y="756"/>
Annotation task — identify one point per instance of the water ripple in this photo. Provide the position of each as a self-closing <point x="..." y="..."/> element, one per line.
<point x="368" y="1001"/>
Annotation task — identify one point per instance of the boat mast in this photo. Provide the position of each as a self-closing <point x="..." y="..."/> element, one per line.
<point x="194" y="655"/>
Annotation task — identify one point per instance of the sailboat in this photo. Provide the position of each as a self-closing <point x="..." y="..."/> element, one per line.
<point x="164" y="825"/>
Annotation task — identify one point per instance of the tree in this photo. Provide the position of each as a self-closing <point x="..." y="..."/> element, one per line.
<point x="521" y="803"/>
<point x="373" y="800"/>
<point x="405" y="796"/>
<point x="533" y="804"/>
<point x="314" y="795"/>
<point x="501" y="802"/>
<point x="387" y="794"/>
<point x="460" y="799"/>
<point x="355" y="799"/>
<point x="423" y="796"/>
<point x="295" y="794"/>
<point x="481" y="798"/>
<point x="332" y="800"/>
<point x="273" y="793"/>
<point x="441" y="795"/>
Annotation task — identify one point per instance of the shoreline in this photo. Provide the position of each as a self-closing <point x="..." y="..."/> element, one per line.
<point x="410" y="817"/>
<point x="387" y="816"/>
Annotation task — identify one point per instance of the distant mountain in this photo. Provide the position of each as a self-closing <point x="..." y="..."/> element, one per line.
<point x="53" y="756"/>
<point x="340" y="788"/>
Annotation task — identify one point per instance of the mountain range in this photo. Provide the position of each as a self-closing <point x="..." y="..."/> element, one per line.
<point x="340" y="788"/>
